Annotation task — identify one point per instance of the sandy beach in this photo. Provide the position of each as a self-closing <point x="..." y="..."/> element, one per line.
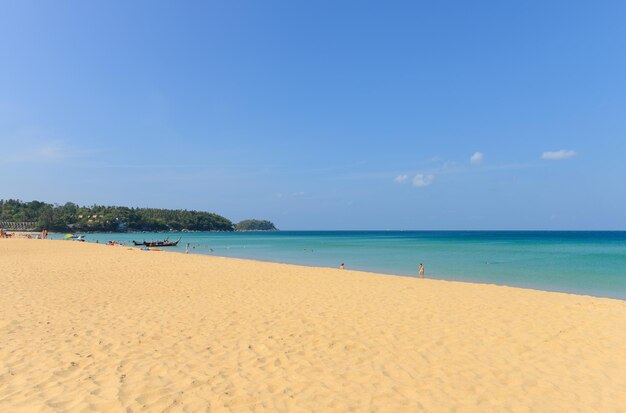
<point x="88" y="327"/>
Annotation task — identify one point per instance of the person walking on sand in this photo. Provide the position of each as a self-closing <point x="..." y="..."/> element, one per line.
<point x="341" y="267"/>
<point x="421" y="270"/>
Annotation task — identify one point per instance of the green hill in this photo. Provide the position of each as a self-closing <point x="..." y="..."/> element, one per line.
<point x="255" y="225"/>
<point x="71" y="217"/>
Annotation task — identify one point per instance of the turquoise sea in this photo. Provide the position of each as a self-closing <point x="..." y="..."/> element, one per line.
<point x="590" y="262"/>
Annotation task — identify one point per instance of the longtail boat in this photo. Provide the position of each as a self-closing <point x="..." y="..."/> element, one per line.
<point x="164" y="243"/>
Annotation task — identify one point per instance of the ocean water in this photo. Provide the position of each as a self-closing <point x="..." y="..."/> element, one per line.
<point x="590" y="262"/>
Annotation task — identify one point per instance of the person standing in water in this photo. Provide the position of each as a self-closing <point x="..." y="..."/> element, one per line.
<point x="421" y="270"/>
<point x="187" y="248"/>
<point x="341" y="267"/>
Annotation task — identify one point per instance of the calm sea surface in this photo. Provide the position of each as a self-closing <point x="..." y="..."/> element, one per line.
<point x="591" y="263"/>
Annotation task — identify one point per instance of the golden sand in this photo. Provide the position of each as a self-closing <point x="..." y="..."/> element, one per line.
<point x="87" y="327"/>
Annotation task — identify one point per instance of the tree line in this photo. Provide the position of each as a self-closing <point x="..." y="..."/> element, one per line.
<point x="70" y="217"/>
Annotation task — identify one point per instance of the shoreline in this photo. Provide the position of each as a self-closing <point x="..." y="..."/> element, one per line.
<point x="374" y="273"/>
<point x="111" y="329"/>
<point x="439" y="277"/>
<point x="572" y="262"/>
<point x="449" y="278"/>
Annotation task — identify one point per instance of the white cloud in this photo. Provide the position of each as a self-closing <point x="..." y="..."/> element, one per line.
<point x="477" y="158"/>
<point x="558" y="155"/>
<point x="400" y="179"/>
<point x="422" y="180"/>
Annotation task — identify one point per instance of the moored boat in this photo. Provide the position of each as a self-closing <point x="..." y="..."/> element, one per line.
<point x="165" y="243"/>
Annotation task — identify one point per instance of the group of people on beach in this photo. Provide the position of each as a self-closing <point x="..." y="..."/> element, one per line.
<point x="115" y="243"/>
<point x="6" y="234"/>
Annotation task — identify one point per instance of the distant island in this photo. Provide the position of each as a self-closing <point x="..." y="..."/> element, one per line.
<point x="70" y="217"/>
<point x="255" y="225"/>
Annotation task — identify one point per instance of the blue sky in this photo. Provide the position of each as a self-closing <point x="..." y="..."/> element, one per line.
<point x="321" y="115"/>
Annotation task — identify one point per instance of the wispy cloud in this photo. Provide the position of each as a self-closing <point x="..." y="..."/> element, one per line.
<point x="425" y="174"/>
<point x="290" y="195"/>
<point x="558" y="155"/>
<point x="449" y="166"/>
<point x="48" y="151"/>
<point x="422" y="180"/>
<point x="426" y="177"/>
<point x="400" y="179"/>
<point x="477" y="158"/>
<point x="33" y="145"/>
